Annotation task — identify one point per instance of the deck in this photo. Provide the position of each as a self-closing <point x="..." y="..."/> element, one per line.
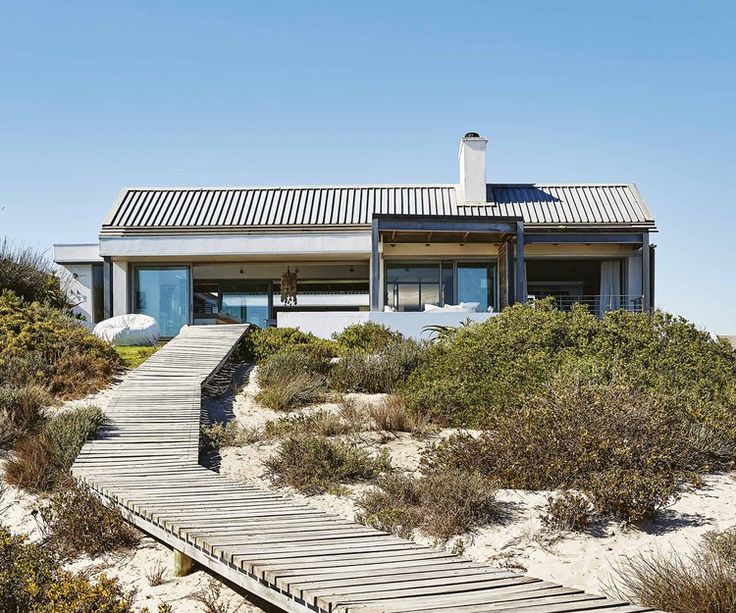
<point x="293" y="556"/>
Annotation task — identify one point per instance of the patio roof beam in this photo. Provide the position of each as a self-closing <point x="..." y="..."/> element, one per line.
<point x="593" y="237"/>
<point x="457" y="225"/>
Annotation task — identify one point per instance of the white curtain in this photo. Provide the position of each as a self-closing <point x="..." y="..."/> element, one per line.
<point x="610" y="298"/>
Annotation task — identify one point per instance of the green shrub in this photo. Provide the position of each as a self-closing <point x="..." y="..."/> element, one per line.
<point x="79" y="523"/>
<point x="322" y="422"/>
<point x="567" y="511"/>
<point x="368" y="337"/>
<point x="42" y="462"/>
<point x="621" y="447"/>
<point x="280" y="367"/>
<point x="262" y="343"/>
<point x="133" y="357"/>
<point x="229" y="434"/>
<point x="704" y="582"/>
<point x="295" y="392"/>
<point x="30" y="275"/>
<point x="313" y="464"/>
<point x="46" y="346"/>
<point x="33" y="579"/>
<point x="482" y="371"/>
<point x="441" y="504"/>
<point x="21" y="412"/>
<point x="386" y="371"/>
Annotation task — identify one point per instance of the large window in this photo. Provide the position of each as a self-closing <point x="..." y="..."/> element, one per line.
<point x="163" y="293"/>
<point x="412" y="286"/>
<point x="231" y="302"/>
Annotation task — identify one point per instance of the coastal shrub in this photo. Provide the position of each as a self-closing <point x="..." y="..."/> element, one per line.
<point x="568" y="511"/>
<point x="322" y="422"/>
<point x="297" y="391"/>
<point x="32" y="578"/>
<point x="704" y="582"/>
<point x="42" y="462"/>
<point x="29" y="274"/>
<point x="21" y="412"/>
<point x="262" y="343"/>
<point x="382" y="372"/>
<point x="229" y="434"/>
<point x="280" y="367"/>
<point x="368" y="337"/>
<point x="441" y="504"/>
<point x="79" y="523"/>
<point x="313" y="464"/>
<point x="392" y="415"/>
<point x="46" y="346"/>
<point x="481" y="372"/>
<point x="623" y="448"/>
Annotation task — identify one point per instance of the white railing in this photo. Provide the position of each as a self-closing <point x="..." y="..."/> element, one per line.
<point x="596" y="303"/>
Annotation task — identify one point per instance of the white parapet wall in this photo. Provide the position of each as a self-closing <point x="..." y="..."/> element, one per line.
<point x="325" y="323"/>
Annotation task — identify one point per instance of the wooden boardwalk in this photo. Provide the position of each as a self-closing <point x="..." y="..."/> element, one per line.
<point x="289" y="554"/>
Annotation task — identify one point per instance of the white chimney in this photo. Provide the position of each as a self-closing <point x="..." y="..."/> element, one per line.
<point x="472" y="158"/>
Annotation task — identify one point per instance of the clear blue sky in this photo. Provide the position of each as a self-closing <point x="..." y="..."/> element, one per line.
<point x="95" y="96"/>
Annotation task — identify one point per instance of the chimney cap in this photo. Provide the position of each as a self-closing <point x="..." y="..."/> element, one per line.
<point x="471" y="135"/>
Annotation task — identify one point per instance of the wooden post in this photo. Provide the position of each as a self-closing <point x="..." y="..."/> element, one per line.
<point x="182" y="564"/>
<point x="520" y="268"/>
<point x="646" y="274"/>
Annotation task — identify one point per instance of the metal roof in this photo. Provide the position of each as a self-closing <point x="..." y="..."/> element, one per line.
<point x="194" y="209"/>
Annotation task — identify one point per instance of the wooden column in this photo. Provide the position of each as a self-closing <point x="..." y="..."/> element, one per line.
<point x="107" y="287"/>
<point x="182" y="564"/>
<point x="519" y="264"/>
<point x="375" y="279"/>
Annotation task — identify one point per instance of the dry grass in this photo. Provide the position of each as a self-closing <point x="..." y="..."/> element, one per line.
<point x="568" y="511"/>
<point x="392" y="415"/>
<point x="79" y="523"/>
<point x="212" y="600"/>
<point x="21" y="412"/>
<point x="229" y="434"/>
<point x="441" y="504"/>
<point x="156" y="574"/>
<point x="314" y="464"/>
<point x="322" y="422"/>
<point x="702" y="583"/>
<point x="297" y="391"/>
<point x="42" y="462"/>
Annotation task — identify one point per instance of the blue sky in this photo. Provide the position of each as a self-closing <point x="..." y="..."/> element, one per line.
<point x="95" y="96"/>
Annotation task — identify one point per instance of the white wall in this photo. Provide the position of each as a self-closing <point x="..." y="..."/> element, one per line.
<point x="324" y="324"/>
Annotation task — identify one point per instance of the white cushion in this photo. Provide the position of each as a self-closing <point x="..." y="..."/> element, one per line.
<point x="431" y="307"/>
<point x="129" y="330"/>
<point x="470" y="307"/>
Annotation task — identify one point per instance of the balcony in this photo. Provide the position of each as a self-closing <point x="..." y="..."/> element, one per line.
<point x="596" y="304"/>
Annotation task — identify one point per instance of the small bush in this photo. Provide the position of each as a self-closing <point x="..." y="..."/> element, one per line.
<point x="133" y="357"/>
<point x="355" y="412"/>
<point x="383" y="372"/>
<point x="156" y="574"/>
<point x="281" y="367"/>
<point x="260" y="344"/>
<point x="322" y="422"/>
<point x="79" y="523"/>
<point x="229" y="434"/>
<point x="32" y="578"/>
<point x="392" y="415"/>
<point x="313" y="464"/>
<point x="368" y="337"/>
<point x="46" y="346"/>
<point x="21" y="412"/>
<point x="300" y="390"/>
<point x="441" y="504"/>
<point x="568" y="511"/>
<point x="702" y="583"/>
<point x="41" y="462"/>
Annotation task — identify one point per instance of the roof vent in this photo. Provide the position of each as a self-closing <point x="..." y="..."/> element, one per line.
<point x="472" y="135"/>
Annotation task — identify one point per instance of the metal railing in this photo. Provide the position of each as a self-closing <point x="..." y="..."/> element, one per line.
<point x="596" y="304"/>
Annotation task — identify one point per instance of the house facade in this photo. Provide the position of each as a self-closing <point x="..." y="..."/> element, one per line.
<point x="404" y="255"/>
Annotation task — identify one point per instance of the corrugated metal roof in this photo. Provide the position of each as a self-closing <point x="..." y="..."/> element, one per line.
<point x="212" y="208"/>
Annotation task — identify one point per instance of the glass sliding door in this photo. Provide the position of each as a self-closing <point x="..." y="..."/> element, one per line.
<point x="163" y="293"/>
<point x="244" y="301"/>
<point x="475" y="283"/>
<point x="409" y="287"/>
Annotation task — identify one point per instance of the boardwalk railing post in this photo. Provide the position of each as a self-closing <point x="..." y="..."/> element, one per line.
<point x="182" y="564"/>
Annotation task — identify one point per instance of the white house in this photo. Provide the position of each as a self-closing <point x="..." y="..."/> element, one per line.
<point x="404" y="255"/>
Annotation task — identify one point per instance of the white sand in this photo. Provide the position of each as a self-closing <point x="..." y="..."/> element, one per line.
<point x="520" y="542"/>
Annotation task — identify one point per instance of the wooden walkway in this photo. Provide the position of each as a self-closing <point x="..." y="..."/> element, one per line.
<point x="289" y="554"/>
